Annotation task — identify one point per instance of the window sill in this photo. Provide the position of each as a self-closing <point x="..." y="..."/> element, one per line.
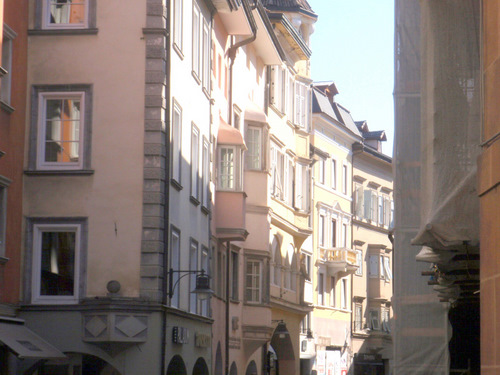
<point x="178" y="51"/>
<point x="66" y="172"/>
<point x="3" y="260"/>
<point x="194" y="200"/>
<point x="207" y="94"/>
<point x="176" y="184"/>
<point x="196" y="77"/>
<point x="6" y="107"/>
<point x="92" y="31"/>
<point x="205" y="210"/>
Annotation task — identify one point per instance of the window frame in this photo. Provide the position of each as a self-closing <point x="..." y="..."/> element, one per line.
<point x="42" y="12"/>
<point x="177" y="27"/>
<point x="4" y="184"/>
<point x="35" y="226"/>
<point x="375" y="319"/>
<point x="206" y="57"/>
<point x="176" y="142"/>
<point x="205" y="185"/>
<point x="196" y="42"/>
<point x="175" y="263"/>
<point x="359" y="262"/>
<point x="344" y="291"/>
<point x="333" y="176"/>
<point x="39" y="96"/>
<point x="6" y="64"/>
<point x="193" y="266"/>
<point x="321" y="288"/>
<point x="358" y="317"/>
<point x="333" y="293"/>
<point x="61" y="26"/>
<point x="259" y="150"/>
<point x="237" y="175"/>
<point x="195" y="164"/>
<point x="253" y="281"/>
<point x="234" y="293"/>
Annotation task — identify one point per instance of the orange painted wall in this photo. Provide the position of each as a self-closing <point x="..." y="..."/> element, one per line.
<point x="12" y="132"/>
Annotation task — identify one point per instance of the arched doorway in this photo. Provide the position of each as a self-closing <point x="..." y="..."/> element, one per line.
<point x="176" y="366"/>
<point x="282" y="345"/>
<point x="251" y="369"/>
<point x="233" y="370"/>
<point x="218" y="361"/>
<point x="200" y="367"/>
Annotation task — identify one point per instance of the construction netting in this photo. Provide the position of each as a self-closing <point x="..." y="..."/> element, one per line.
<point x="437" y="136"/>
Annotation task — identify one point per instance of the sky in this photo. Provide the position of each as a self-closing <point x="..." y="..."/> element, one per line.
<point x="353" y="46"/>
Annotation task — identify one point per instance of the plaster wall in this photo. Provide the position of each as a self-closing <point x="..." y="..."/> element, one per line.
<point x="112" y="196"/>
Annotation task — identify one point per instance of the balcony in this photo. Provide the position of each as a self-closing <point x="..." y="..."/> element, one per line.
<point x="338" y="259"/>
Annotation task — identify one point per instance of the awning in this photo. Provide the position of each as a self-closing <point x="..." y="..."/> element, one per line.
<point x="254" y="113"/>
<point x="229" y="136"/>
<point x="27" y="344"/>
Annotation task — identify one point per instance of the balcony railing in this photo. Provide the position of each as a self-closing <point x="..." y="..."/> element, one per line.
<point x="339" y="259"/>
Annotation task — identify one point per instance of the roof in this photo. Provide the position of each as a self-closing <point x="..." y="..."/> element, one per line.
<point x="289" y="6"/>
<point x="228" y="135"/>
<point x="378" y="135"/>
<point x="321" y="104"/>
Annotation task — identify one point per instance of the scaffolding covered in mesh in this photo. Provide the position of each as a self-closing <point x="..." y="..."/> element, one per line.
<point x="437" y="136"/>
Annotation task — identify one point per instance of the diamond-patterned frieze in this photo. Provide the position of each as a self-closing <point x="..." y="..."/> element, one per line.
<point x="115" y="327"/>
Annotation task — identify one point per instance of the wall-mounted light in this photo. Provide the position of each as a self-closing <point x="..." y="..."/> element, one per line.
<point x="202" y="288"/>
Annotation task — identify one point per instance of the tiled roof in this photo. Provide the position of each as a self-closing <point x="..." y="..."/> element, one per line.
<point x="379" y="135"/>
<point x="288" y="5"/>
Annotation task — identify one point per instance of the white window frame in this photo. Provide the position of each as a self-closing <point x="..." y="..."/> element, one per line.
<point x="375" y="319"/>
<point x="302" y="186"/>
<point x="387" y="268"/>
<point x="56" y="26"/>
<point x="333" y="283"/>
<point x="345" y="235"/>
<point x="358" y="317"/>
<point x="175" y="262"/>
<point x="236" y="175"/>
<point x="302" y="104"/>
<point x="4" y="184"/>
<point x="41" y="164"/>
<point x="374" y="266"/>
<point x="321" y="170"/>
<point x="253" y="281"/>
<point x="255" y="149"/>
<point x="196" y="42"/>
<point x="6" y="64"/>
<point x="193" y="266"/>
<point x="205" y="188"/>
<point x="235" y="271"/>
<point x="178" y="23"/>
<point x="359" y="262"/>
<point x="343" y="293"/>
<point x="321" y="230"/>
<point x="359" y="200"/>
<point x="206" y="56"/>
<point x="204" y="305"/>
<point x="334" y="232"/>
<point x="195" y="162"/>
<point x="345" y="178"/>
<point x="333" y="176"/>
<point x="38" y="229"/>
<point x="176" y="142"/>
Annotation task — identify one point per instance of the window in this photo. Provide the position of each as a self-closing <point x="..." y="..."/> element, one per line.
<point x="358" y="200"/>
<point x="193" y="266"/>
<point x="276" y="251"/>
<point x="6" y="67"/>
<point x="227" y="156"/>
<point x="358" y="317"/>
<point x="385" y="320"/>
<point x="305" y="324"/>
<point x="302" y="179"/>
<point x="65" y="14"/>
<point x="302" y="99"/>
<point x="359" y="262"/>
<point x="344" y="179"/>
<point x="278" y="172"/>
<point x="254" y="144"/>
<point x="278" y="88"/>
<point x="321" y="228"/>
<point x="4" y="183"/>
<point x="332" y="291"/>
<point x="321" y="288"/>
<point x="176" y="142"/>
<point x="62" y="127"/>
<point x="374" y="320"/>
<point x="178" y="24"/>
<point x="236" y="117"/>
<point x="221" y="273"/>
<point x="175" y="246"/>
<point x="391" y="220"/>
<point x="381" y="210"/>
<point x="334" y="174"/>
<point x="196" y="41"/>
<point x="57" y="260"/>
<point x="321" y="170"/>
<point x="234" y="275"/>
<point x="288" y="180"/>
<point x="206" y="56"/>
<point x="334" y="233"/>
<point x="195" y="163"/>
<point x="385" y="265"/>
<point x="374" y="207"/>
<point x="253" y="285"/>
<point x="205" y="188"/>
<point x="205" y="266"/>
<point x="343" y="294"/>
<point x="344" y="235"/>
<point x="374" y="266"/>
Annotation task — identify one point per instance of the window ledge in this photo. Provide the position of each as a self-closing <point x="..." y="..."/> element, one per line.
<point x="63" y="31"/>
<point x="3" y="71"/>
<point x="3" y="260"/>
<point x="67" y="172"/>
<point x="6" y="107"/>
<point x="194" y="200"/>
<point x="176" y="184"/>
<point x="205" y="210"/>
<point x="196" y="77"/>
<point x="178" y="50"/>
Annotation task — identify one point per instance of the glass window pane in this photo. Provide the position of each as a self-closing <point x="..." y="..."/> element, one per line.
<point x="57" y="274"/>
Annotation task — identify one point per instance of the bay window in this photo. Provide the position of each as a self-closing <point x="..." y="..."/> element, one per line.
<point x="253" y="282"/>
<point x="254" y="144"/>
<point x="230" y="171"/>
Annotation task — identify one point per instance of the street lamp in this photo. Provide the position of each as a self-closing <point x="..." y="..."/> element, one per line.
<point x="202" y="288"/>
